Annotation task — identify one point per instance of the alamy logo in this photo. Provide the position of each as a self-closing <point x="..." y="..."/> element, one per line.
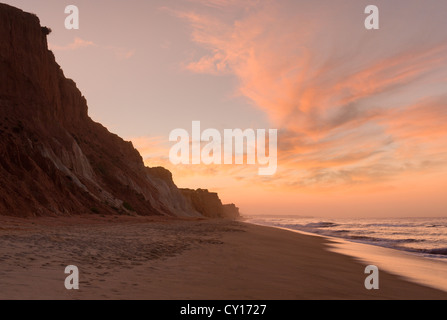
<point x="236" y="147"/>
<point x="72" y="20"/>
<point x="72" y="280"/>
<point x="372" y="281"/>
<point x="372" y="21"/>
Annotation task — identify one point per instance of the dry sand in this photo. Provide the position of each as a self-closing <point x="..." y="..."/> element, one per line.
<point x="143" y="258"/>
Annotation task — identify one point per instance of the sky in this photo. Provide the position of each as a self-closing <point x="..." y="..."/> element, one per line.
<point x="361" y="114"/>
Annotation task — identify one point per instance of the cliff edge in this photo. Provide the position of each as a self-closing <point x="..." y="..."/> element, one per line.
<point x="54" y="159"/>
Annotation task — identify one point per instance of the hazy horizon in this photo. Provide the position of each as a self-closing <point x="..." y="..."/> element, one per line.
<point x="361" y="113"/>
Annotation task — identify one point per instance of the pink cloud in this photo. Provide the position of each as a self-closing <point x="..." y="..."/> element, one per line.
<point x="77" y="43"/>
<point x="350" y="105"/>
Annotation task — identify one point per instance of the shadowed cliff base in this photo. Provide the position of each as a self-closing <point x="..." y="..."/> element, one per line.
<point x="54" y="159"/>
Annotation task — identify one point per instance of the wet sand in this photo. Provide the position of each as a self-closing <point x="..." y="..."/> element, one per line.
<point x="150" y="258"/>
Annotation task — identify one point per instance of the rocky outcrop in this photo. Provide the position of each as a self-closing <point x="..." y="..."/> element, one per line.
<point x="54" y="159"/>
<point x="209" y="205"/>
<point x="231" y="211"/>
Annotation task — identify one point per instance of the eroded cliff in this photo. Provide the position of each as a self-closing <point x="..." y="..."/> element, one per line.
<point x="54" y="159"/>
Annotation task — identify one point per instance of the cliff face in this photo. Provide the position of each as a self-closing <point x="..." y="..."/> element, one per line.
<point x="209" y="205"/>
<point x="231" y="211"/>
<point x="54" y="159"/>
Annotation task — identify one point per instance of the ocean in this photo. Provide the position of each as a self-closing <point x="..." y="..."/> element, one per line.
<point x="422" y="236"/>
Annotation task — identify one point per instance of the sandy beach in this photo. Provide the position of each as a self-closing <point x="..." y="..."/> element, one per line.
<point x="147" y="258"/>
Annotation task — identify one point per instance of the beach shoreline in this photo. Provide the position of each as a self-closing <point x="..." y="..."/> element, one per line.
<point x="414" y="267"/>
<point x="169" y="259"/>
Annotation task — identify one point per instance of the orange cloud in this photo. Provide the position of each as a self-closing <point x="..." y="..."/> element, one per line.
<point x="77" y="43"/>
<point x="352" y="108"/>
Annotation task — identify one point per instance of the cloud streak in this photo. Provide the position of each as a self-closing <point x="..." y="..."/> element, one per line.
<point x="352" y="107"/>
<point x="78" y="43"/>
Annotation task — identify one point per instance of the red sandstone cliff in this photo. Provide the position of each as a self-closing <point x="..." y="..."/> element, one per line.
<point x="208" y="204"/>
<point x="54" y="159"/>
